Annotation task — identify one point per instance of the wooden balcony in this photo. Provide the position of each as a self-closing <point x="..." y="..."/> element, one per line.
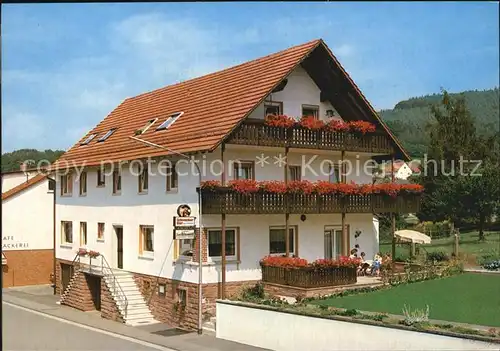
<point x="308" y="277"/>
<point x="255" y="132"/>
<point x="225" y="200"/>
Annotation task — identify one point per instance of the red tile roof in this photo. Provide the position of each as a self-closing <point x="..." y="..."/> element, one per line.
<point x="23" y="186"/>
<point x="213" y="105"/>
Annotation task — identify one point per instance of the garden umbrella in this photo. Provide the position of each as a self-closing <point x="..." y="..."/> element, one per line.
<point x="412" y="236"/>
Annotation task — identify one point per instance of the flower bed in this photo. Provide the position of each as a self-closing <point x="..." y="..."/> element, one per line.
<point x="247" y="186"/>
<point x="298" y="272"/>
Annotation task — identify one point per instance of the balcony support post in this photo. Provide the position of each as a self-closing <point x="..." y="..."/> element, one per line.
<point x="343" y="179"/>
<point x="287" y="214"/>
<point x="223" y="231"/>
<point x="393" y="216"/>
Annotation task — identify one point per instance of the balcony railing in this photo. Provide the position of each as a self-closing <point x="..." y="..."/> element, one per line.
<point x="308" y="277"/>
<point x="224" y="200"/>
<point x="255" y="132"/>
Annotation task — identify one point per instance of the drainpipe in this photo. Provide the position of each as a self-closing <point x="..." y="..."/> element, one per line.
<point x="53" y="180"/>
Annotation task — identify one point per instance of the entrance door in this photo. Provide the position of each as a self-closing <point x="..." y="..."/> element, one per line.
<point x="119" y="247"/>
<point x="333" y="242"/>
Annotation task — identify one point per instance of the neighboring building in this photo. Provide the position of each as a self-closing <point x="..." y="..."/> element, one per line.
<point x="401" y="169"/>
<point x="128" y="218"/>
<point x="27" y="229"/>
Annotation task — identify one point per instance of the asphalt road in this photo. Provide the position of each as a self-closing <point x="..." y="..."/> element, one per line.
<point x="28" y="330"/>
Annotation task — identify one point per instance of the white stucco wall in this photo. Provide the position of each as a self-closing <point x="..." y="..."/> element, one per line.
<point x="130" y="210"/>
<point x="403" y="172"/>
<point x="11" y="180"/>
<point x="300" y="90"/>
<point x="281" y="331"/>
<point x="27" y="219"/>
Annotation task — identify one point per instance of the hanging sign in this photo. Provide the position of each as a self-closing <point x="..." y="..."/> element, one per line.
<point x="184" y="224"/>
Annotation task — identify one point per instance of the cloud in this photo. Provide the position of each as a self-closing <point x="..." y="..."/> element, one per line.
<point x="23" y="129"/>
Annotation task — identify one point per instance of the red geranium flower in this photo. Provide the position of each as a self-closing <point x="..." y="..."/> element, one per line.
<point x="300" y="186"/>
<point x="279" y="121"/>
<point x="336" y="125"/>
<point x="362" y="126"/>
<point x="244" y="186"/>
<point x="311" y="122"/>
<point x="273" y="186"/>
<point x="210" y="184"/>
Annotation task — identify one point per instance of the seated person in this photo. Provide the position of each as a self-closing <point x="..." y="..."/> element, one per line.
<point x="354" y="253"/>
<point x="363" y="265"/>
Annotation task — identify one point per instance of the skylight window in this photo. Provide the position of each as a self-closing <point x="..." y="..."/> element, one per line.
<point x="89" y="139"/>
<point x="170" y="120"/>
<point x="107" y="135"/>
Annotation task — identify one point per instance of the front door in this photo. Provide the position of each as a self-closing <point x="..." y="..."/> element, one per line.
<point x="119" y="247"/>
<point x="333" y="242"/>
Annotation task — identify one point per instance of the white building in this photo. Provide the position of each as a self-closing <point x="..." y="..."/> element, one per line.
<point x="127" y="216"/>
<point x="27" y="229"/>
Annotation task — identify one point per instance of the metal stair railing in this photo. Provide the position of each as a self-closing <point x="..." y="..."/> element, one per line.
<point x="117" y="289"/>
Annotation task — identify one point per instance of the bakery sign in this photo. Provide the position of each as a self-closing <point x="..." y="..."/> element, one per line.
<point x="184" y="224"/>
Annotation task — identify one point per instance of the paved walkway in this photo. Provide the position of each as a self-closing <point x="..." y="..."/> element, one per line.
<point x="41" y="299"/>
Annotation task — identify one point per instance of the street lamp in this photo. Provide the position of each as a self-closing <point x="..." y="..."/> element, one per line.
<point x="200" y="251"/>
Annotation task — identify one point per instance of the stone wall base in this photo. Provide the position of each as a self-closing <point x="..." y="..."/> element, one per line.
<point x="165" y="307"/>
<point x="295" y="292"/>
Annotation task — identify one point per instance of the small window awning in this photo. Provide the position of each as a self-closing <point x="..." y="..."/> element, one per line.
<point x="4" y="259"/>
<point x="412" y="236"/>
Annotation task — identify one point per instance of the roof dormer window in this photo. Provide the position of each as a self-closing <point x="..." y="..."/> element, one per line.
<point x="107" y="135"/>
<point x="89" y="139"/>
<point x="170" y="120"/>
<point x="146" y="127"/>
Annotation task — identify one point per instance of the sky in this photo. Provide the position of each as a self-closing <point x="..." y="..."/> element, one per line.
<point x="66" y="66"/>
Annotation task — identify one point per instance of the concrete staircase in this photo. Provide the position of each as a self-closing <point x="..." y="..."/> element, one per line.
<point x="209" y="326"/>
<point x="128" y="298"/>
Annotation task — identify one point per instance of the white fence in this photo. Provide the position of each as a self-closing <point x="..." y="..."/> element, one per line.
<point x="284" y="331"/>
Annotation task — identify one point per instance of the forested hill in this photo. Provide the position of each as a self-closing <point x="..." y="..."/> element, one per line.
<point x="11" y="160"/>
<point x="409" y="117"/>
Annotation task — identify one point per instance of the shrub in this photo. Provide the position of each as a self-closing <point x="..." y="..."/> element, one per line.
<point x="416" y="316"/>
<point x="490" y="260"/>
<point x="437" y="256"/>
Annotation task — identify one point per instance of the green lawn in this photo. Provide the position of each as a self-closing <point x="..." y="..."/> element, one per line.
<point x="466" y="298"/>
<point x="469" y="244"/>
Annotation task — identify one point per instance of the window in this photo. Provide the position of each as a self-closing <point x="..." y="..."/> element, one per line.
<point x="143" y="180"/>
<point x="182" y="297"/>
<point x="100" y="231"/>
<point x="334" y="173"/>
<point x="83" y="233"/>
<point x="215" y="243"/>
<point x="244" y="170"/>
<point x="117" y="182"/>
<point x="52" y="185"/>
<point x="83" y="183"/>
<point x="310" y="110"/>
<point x="101" y="179"/>
<point x="146" y="239"/>
<point x="277" y="244"/>
<point x="89" y="139"/>
<point x="107" y="135"/>
<point x="273" y="108"/>
<point x="186" y="247"/>
<point x="66" y="232"/>
<point x="294" y="173"/>
<point x="172" y="178"/>
<point x="162" y="288"/>
<point x="169" y="121"/>
<point x="147" y="126"/>
<point x="66" y="185"/>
